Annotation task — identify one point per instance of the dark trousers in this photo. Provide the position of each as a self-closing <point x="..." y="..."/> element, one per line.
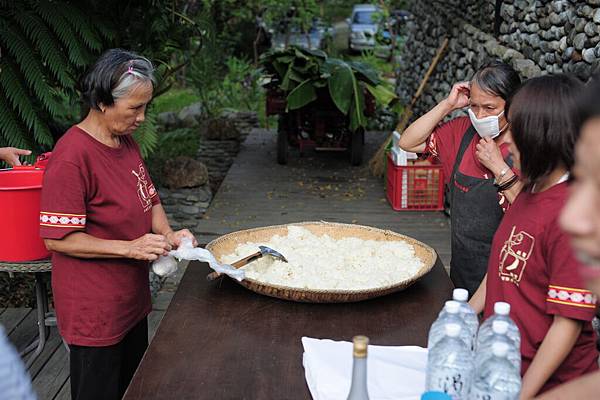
<point x="103" y="373"/>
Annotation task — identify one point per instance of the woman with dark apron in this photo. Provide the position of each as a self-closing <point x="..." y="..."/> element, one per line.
<point x="476" y="162"/>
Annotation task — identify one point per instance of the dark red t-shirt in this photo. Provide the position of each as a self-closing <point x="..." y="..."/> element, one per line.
<point x="443" y="145"/>
<point x="107" y="193"/>
<point x="533" y="268"/>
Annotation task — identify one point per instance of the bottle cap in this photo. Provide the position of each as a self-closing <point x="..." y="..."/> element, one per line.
<point x="460" y="295"/>
<point x="361" y="343"/>
<point x="452" y="307"/>
<point x="435" y="396"/>
<point x="500" y="327"/>
<point x="452" y="330"/>
<point x="502" y="308"/>
<point x="499" y="349"/>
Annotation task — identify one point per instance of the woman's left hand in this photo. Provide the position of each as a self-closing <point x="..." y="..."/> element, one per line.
<point x="488" y="153"/>
<point x="174" y="237"/>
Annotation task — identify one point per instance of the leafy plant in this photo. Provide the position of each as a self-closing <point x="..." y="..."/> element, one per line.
<point x="46" y="46"/>
<point x="302" y="74"/>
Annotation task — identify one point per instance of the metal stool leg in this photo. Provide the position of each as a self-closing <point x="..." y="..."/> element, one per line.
<point x="41" y="297"/>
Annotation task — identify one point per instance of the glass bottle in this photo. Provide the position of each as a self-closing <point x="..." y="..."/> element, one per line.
<point x="358" y="388"/>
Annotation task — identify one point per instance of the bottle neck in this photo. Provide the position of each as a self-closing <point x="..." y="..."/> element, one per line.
<point x="358" y="388"/>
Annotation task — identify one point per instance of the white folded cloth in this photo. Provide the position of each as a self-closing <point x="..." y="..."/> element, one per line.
<point x="393" y="372"/>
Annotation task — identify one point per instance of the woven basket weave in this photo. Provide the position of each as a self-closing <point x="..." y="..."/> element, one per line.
<point x="227" y="244"/>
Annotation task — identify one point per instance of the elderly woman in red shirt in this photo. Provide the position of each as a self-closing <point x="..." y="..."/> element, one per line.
<point x="102" y="219"/>
<point x="532" y="265"/>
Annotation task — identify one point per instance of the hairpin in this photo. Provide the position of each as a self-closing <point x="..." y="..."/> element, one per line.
<point x="130" y="68"/>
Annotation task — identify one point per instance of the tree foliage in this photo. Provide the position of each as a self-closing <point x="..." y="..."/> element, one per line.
<point x="46" y="46"/>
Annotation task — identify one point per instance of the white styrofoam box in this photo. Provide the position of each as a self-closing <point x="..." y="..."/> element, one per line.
<point x="396" y="138"/>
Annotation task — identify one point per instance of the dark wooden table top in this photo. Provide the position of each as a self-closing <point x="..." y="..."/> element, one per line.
<point x="219" y="340"/>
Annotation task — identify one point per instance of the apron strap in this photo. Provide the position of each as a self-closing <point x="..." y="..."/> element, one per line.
<point x="464" y="144"/>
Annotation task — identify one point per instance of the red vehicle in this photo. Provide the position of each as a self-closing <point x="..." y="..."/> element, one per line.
<point x="319" y="125"/>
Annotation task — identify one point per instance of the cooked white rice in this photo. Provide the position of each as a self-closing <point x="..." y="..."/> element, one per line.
<point x="320" y="262"/>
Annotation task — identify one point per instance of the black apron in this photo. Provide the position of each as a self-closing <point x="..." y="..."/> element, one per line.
<point x="475" y="216"/>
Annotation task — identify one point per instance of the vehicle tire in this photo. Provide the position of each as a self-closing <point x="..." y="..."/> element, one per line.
<point x="357" y="145"/>
<point x="282" y="139"/>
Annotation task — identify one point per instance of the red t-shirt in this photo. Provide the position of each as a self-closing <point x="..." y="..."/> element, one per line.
<point x="104" y="192"/>
<point x="533" y="268"/>
<point x="443" y="145"/>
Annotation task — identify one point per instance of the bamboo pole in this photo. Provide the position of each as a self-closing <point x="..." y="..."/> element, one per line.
<point x="378" y="162"/>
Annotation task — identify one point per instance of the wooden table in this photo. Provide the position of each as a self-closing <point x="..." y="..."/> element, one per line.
<point x="219" y="340"/>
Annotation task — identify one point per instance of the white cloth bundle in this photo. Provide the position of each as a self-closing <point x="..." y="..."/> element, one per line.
<point x="393" y="372"/>
<point x="167" y="265"/>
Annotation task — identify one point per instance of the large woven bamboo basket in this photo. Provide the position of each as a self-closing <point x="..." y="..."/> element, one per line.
<point x="227" y="244"/>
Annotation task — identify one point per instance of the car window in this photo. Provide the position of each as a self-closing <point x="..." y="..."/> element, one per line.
<point x="363" y="17"/>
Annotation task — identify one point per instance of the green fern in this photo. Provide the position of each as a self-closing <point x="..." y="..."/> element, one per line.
<point x="52" y="54"/>
<point x="52" y="14"/>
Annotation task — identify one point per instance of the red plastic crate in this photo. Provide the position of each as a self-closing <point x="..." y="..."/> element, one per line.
<point x="415" y="187"/>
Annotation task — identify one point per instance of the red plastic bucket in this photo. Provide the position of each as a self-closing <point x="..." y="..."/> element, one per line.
<point x="20" y="194"/>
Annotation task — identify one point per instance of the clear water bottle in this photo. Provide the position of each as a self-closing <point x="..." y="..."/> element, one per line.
<point x="450" y="365"/>
<point x="497" y="378"/>
<point x="500" y="335"/>
<point x="501" y="313"/>
<point x="358" y="387"/>
<point x="466" y="311"/>
<point x="449" y="314"/>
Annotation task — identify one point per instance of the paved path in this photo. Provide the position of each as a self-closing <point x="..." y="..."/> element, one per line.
<point x="319" y="186"/>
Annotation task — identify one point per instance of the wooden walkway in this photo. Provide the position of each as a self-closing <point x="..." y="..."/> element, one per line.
<point x="50" y="371"/>
<point x="319" y="186"/>
<point x="258" y="192"/>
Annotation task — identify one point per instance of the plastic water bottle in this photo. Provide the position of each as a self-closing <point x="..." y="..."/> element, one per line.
<point x="501" y="313"/>
<point x="449" y="314"/>
<point x="500" y="335"/>
<point x="467" y="312"/>
<point x="450" y="365"/>
<point x="497" y="378"/>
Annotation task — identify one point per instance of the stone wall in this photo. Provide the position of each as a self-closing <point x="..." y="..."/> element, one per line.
<point x="185" y="206"/>
<point x="536" y="37"/>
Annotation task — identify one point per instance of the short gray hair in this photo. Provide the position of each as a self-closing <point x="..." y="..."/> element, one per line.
<point x="115" y="74"/>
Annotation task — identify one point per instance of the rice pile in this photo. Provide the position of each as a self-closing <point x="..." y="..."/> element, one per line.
<point x="323" y="263"/>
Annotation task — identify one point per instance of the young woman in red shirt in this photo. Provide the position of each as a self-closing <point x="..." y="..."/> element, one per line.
<point x="532" y="265"/>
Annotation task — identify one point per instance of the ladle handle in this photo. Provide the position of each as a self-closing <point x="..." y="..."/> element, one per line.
<point x="238" y="264"/>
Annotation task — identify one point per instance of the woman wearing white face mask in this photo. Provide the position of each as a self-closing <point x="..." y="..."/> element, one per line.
<point x="476" y="163"/>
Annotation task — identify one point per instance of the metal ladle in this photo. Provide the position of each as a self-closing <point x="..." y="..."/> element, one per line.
<point x="264" y="250"/>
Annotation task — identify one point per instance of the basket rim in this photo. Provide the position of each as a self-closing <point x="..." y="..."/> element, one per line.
<point x="422" y="271"/>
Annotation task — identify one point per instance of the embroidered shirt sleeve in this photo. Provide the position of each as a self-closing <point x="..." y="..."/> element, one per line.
<point x="571" y="296"/>
<point x="63" y="208"/>
<point x="565" y="295"/>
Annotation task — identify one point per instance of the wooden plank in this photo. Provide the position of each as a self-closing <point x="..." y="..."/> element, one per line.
<point x="24" y="333"/>
<point x="154" y="319"/>
<point x="55" y="373"/>
<point x="65" y="391"/>
<point x="54" y="341"/>
<point x="12" y="317"/>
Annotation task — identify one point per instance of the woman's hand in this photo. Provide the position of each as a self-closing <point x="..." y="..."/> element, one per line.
<point x="174" y="238"/>
<point x="488" y="153"/>
<point x="148" y="247"/>
<point x="459" y="96"/>
<point x="11" y="155"/>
